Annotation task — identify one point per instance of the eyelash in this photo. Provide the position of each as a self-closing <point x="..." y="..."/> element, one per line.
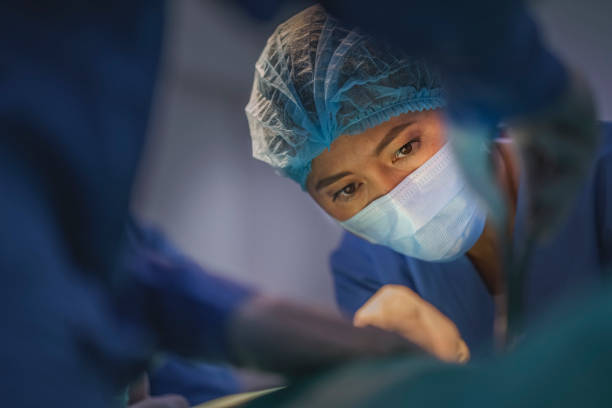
<point x="410" y="143"/>
<point x="395" y="158"/>
<point x="339" y="192"/>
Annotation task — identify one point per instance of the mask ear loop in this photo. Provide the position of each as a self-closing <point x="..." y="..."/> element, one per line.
<point x="472" y="143"/>
<point x="515" y="261"/>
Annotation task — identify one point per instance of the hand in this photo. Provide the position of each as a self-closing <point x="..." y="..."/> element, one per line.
<point x="140" y="397"/>
<point x="283" y="337"/>
<point x="397" y="308"/>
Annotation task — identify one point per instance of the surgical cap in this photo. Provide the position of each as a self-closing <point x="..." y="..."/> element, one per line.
<point x="316" y="80"/>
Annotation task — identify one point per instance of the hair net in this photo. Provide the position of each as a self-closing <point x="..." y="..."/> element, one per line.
<point x="316" y="80"/>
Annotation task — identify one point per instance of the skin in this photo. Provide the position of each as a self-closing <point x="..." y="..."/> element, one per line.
<point x="371" y="170"/>
<point x="358" y="169"/>
<point x="397" y="308"/>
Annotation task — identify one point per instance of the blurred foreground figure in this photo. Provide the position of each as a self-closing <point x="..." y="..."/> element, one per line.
<point x="86" y="302"/>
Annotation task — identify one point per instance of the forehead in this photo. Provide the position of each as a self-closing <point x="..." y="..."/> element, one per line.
<point x="347" y="149"/>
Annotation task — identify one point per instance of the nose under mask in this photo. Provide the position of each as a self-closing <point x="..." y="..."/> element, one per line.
<point x="431" y="215"/>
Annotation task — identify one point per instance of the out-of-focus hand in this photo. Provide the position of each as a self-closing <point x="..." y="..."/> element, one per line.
<point x="140" y="397"/>
<point x="397" y="308"/>
<point x="284" y="337"/>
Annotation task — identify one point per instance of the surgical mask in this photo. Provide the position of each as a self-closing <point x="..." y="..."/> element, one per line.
<point x="430" y="215"/>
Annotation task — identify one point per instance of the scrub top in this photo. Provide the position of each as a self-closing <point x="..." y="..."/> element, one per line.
<point x="197" y="382"/>
<point x="575" y="257"/>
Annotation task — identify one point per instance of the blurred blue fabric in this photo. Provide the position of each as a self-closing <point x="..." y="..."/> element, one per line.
<point x="197" y="382"/>
<point x="75" y="87"/>
<point x="83" y="311"/>
<point x="571" y="262"/>
<point x="491" y="54"/>
<point x="188" y="309"/>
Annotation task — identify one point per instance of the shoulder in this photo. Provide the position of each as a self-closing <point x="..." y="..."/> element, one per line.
<point x="355" y="246"/>
<point x="360" y="268"/>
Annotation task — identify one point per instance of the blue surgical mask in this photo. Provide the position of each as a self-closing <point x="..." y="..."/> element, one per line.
<point x="431" y="215"/>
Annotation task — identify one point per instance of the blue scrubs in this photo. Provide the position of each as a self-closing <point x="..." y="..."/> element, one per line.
<point x="84" y="309"/>
<point x="197" y="382"/>
<point x="574" y="258"/>
<point x="194" y="297"/>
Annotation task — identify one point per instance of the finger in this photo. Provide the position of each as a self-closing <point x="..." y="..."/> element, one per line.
<point x="361" y="319"/>
<point x="166" y="401"/>
<point x="449" y="347"/>
<point x="370" y="314"/>
<point x="463" y="353"/>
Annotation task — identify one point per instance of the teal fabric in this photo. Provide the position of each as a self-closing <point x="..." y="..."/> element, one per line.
<point x="316" y="80"/>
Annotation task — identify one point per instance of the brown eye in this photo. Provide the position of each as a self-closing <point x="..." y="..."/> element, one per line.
<point x="346" y="192"/>
<point x="405" y="149"/>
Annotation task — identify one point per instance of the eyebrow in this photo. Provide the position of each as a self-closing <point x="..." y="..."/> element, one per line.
<point x="388" y="138"/>
<point x="324" y="182"/>
<point x="391" y="134"/>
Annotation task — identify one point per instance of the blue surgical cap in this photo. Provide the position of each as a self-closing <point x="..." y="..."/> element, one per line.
<point x="316" y="80"/>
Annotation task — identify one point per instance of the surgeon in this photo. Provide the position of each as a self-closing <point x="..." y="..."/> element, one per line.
<point x="362" y="128"/>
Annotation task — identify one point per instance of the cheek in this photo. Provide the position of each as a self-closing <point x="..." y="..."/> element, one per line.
<point x="338" y="211"/>
<point x="341" y="212"/>
<point x="325" y="204"/>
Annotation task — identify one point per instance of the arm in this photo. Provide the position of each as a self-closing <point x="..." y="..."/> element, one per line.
<point x="187" y="307"/>
<point x="360" y="268"/>
<point x="198" y="315"/>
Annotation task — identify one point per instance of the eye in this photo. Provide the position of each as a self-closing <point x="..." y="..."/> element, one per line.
<point x="346" y="192"/>
<point x="405" y="150"/>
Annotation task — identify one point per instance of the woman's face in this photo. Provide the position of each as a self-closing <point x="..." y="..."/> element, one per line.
<point x="358" y="169"/>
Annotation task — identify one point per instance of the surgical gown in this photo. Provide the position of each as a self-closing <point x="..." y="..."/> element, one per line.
<point x="574" y="258"/>
<point x="150" y="254"/>
<point x="76" y="83"/>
